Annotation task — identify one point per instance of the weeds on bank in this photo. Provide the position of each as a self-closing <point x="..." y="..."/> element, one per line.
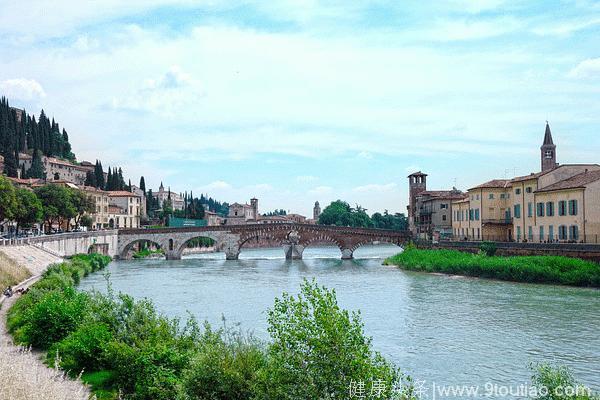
<point x="531" y="269"/>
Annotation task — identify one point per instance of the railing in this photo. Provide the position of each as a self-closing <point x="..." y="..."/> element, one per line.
<point x="503" y="221"/>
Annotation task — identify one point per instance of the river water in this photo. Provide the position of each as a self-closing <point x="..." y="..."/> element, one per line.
<point x="439" y="329"/>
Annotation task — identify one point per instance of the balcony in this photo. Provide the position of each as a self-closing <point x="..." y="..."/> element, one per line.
<point x="503" y="221"/>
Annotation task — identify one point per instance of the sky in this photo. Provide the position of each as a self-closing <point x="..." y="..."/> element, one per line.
<point x="294" y="101"/>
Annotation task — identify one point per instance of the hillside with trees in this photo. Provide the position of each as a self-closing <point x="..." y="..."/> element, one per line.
<point x="23" y="133"/>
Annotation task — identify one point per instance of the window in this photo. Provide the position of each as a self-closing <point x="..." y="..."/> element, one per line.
<point x="530" y="210"/>
<point x="551" y="232"/>
<point x="541" y="233"/>
<point x="562" y="208"/>
<point x="562" y="232"/>
<point x="548" y="154"/>
<point x="471" y="214"/>
<point x="477" y="214"/>
<point x="574" y="232"/>
<point x="530" y="233"/>
<point x="518" y="233"/>
<point x="491" y="196"/>
<point x="443" y="217"/>
<point x="550" y="209"/>
<point x="528" y="189"/>
<point x="518" y="191"/>
<point x="502" y="196"/>
<point x="540" y="209"/>
<point x="477" y="197"/>
<point x="443" y="206"/>
<point x="517" y="211"/>
<point x="572" y="207"/>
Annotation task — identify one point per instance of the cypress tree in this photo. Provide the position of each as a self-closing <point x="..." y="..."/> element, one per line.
<point x="143" y="184"/>
<point x="99" y="175"/>
<point x="109" y="180"/>
<point x="37" y="167"/>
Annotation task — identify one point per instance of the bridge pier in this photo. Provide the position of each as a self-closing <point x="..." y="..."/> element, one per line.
<point x="293" y="251"/>
<point x="347" y="254"/>
<point x="232" y="253"/>
<point x="172" y="255"/>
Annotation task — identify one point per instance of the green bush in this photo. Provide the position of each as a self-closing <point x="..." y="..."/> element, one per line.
<point x="488" y="248"/>
<point x="532" y="269"/>
<point x="224" y="368"/>
<point x="318" y="350"/>
<point x="558" y="383"/>
<point x="53" y="317"/>
<point x="83" y="349"/>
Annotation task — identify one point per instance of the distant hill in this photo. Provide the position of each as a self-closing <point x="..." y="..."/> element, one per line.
<point x="22" y="133"/>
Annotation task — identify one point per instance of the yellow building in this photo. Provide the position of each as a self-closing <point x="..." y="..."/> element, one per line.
<point x="486" y="213"/>
<point x="559" y="204"/>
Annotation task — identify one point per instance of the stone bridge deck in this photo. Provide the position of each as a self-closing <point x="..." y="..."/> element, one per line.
<point x="293" y="237"/>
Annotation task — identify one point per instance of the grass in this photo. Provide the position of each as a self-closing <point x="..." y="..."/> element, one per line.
<point x="11" y="272"/>
<point x="531" y="269"/>
<point x="145" y="253"/>
<point x="101" y="384"/>
<point x="23" y="377"/>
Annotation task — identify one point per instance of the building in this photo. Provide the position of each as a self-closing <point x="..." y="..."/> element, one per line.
<point x="57" y="169"/>
<point x="430" y="211"/>
<point x="296" y="218"/>
<point x="316" y="211"/>
<point x="561" y="203"/>
<point x="485" y="214"/>
<point x="240" y="214"/>
<point x="124" y="209"/>
<point x="212" y="218"/>
<point x="142" y="194"/>
<point x="163" y="195"/>
<point x="100" y="218"/>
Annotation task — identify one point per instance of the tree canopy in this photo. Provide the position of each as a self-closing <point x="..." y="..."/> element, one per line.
<point x="340" y="213"/>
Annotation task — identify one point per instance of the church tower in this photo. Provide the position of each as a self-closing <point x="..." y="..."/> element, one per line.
<point x="417" y="184"/>
<point x="316" y="211"/>
<point x="548" y="151"/>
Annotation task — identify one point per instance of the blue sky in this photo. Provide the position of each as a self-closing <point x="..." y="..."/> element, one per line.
<point x="294" y="101"/>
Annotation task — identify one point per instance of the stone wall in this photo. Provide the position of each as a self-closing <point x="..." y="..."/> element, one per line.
<point x="584" y="251"/>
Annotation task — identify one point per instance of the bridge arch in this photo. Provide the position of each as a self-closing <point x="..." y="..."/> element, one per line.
<point x="217" y="240"/>
<point x="127" y="250"/>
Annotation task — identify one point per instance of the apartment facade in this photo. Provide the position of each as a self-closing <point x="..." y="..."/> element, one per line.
<point x="124" y="209"/>
<point x="559" y="204"/>
<point x="485" y="214"/>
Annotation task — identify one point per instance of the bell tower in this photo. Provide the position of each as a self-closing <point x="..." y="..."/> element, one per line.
<point x="316" y="211"/>
<point x="417" y="183"/>
<point x="548" y="151"/>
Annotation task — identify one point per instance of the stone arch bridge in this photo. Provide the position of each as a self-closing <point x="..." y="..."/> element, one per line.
<point x="293" y="237"/>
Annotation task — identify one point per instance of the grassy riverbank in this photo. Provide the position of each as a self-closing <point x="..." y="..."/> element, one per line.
<point x="316" y="349"/>
<point x="11" y="272"/>
<point x="531" y="269"/>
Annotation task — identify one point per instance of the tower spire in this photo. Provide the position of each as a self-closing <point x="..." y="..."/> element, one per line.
<point x="548" y="151"/>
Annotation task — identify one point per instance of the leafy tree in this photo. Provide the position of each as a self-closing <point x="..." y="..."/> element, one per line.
<point x="397" y="222"/>
<point x="86" y="221"/>
<point x="8" y="200"/>
<point x="29" y="209"/>
<point x="340" y="213"/>
<point x="318" y="350"/>
<point x="82" y="204"/>
<point x="57" y="204"/>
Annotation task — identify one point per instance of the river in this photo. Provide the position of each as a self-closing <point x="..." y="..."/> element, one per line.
<point x="439" y="329"/>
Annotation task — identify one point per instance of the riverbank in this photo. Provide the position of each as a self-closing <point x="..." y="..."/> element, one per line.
<point x="529" y="269"/>
<point x="23" y="375"/>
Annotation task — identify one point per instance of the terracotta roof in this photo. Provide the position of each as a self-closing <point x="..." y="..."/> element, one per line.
<point x="29" y="181"/>
<point x="24" y="156"/>
<point x="122" y="193"/>
<point x="574" y="182"/>
<point x="530" y="176"/>
<point x="494" y="184"/>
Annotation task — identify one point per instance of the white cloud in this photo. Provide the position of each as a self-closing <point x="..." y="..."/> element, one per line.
<point x="589" y="68"/>
<point x="172" y="79"/>
<point x="321" y="190"/>
<point x="375" y="188"/>
<point x="217" y="185"/>
<point x="23" y="89"/>
<point x="307" y="178"/>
